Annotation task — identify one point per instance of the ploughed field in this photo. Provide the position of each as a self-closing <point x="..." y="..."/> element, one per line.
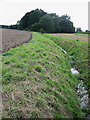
<point x="75" y="36"/>
<point x="13" y="38"/>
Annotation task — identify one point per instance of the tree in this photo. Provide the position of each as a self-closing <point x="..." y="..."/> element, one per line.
<point x="66" y="17"/>
<point x="38" y="19"/>
<point x="47" y="23"/>
<point x="24" y="21"/>
<point x="78" y="29"/>
<point x="18" y="22"/>
<point x="35" y="27"/>
<point x="53" y="15"/>
<point x="63" y="24"/>
<point x="31" y="18"/>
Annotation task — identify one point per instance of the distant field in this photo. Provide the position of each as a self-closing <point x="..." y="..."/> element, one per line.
<point x="75" y="36"/>
<point x="13" y="38"/>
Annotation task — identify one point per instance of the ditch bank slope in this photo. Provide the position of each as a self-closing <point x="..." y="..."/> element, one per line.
<point x="38" y="83"/>
<point x="78" y="52"/>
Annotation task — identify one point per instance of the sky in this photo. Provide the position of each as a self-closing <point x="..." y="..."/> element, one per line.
<point x="13" y="10"/>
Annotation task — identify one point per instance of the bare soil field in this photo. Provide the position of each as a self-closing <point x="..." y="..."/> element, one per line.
<point x="13" y="38"/>
<point x="75" y="36"/>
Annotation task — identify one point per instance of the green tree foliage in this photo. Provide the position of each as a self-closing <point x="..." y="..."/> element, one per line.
<point x="42" y="31"/>
<point x="46" y="22"/>
<point x="30" y="18"/>
<point x="63" y="24"/>
<point x="38" y="19"/>
<point x="35" y="27"/>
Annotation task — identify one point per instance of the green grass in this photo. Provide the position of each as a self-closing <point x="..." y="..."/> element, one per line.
<point x="37" y="82"/>
<point x="82" y="32"/>
<point x="78" y="51"/>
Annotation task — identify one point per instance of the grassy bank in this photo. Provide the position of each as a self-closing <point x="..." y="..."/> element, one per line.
<point x="37" y="81"/>
<point x="78" y="51"/>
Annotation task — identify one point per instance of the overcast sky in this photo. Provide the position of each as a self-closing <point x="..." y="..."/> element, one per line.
<point x="13" y="10"/>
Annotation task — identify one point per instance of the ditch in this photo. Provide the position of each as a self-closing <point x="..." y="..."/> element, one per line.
<point x="83" y="96"/>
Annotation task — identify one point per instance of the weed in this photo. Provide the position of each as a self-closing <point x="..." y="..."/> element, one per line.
<point x="6" y="54"/>
<point x="39" y="103"/>
<point x="34" y="114"/>
<point x="38" y="69"/>
<point x="6" y="78"/>
<point x="7" y="62"/>
<point x="60" y="116"/>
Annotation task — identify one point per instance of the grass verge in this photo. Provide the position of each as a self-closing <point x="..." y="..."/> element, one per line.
<point x="37" y="82"/>
<point x="78" y="51"/>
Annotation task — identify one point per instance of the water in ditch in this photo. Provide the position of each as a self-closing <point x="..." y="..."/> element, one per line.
<point x="81" y="91"/>
<point x="83" y="96"/>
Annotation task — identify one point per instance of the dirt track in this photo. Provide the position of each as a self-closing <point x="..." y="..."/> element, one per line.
<point x="81" y="37"/>
<point x="13" y="38"/>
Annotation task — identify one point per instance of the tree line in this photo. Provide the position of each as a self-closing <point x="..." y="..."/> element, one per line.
<point x="38" y="20"/>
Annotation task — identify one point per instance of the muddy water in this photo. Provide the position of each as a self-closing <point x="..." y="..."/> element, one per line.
<point x="81" y="91"/>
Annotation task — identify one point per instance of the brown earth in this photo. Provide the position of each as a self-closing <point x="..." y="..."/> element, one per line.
<point x="81" y="37"/>
<point x="13" y="38"/>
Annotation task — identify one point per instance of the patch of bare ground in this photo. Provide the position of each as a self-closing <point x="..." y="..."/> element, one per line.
<point x="13" y="38"/>
<point x="81" y="37"/>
